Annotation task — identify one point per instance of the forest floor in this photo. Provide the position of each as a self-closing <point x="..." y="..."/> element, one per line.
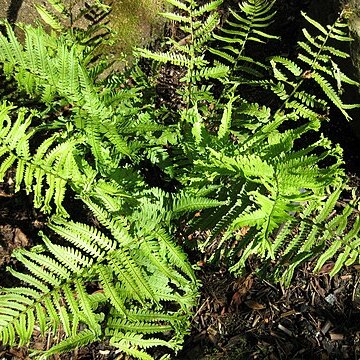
<point x="316" y="317"/>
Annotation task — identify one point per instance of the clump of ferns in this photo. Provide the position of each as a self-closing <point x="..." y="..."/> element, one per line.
<point x="87" y="151"/>
<point x="244" y="168"/>
<point x="249" y="157"/>
<point x="298" y="104"/>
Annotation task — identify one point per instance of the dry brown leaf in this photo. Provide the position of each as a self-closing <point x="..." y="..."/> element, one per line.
<point x="254" y="305"/>
<point x="326" y="268"/>
<point x="242" y="287"/>
<point x="236" y="299"/>
<point x="3" y="194"/>
<point x="346" y="277"/>
<point x="336" y="337"/>
<point x="20" y="239"/>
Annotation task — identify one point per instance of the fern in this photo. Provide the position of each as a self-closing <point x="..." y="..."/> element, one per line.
<point x="225" y="163"/>
<point x="322" y="220"/>
<point x="280" y="182"/>
<point x="243" y="27"/>
<point x="316" y="62"/>
<point x="280" y="179"/>
<point x="61" y="16"/>
<point x="51" y="165"/>
<point x="126" y="279"/>
<point x="198" y="24"/>
<point x="52" y="168"/>
<point x="49" y="68"/>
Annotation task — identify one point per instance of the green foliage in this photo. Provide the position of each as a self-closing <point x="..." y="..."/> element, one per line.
<point x="137" y="276"/>
<point x="87" y="140"/>
<point x="254" y="155"/>
<point x="316" y="62"/>
<point x="198" y="24"/>
<point x="62" y="16"/>
<point x="243" y="27"/>
<point x="242" y="159"/>
<point x="321" y="220"/>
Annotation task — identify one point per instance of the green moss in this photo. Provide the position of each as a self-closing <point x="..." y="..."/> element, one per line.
<point x="136" y="22"/>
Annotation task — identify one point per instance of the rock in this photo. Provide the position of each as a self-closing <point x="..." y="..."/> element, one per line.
<point x="355" y="30"/>
<point x="354" y="7"/>
<point x="136" y="21"/>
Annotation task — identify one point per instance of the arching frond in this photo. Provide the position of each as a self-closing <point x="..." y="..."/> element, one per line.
<point x="126" y="280"/>
<point x="316" y="62"/>
<point x="246" y="25"/>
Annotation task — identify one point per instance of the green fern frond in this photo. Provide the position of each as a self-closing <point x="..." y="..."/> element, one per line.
<point x="317" y="55"/>
<point x="244" y="27"/>
<point x="184" y="203"/>
<point x="49" y="68"/>
<point x="319" y="224"/>
<point x="288" y="64"/>
<point x="176" y="59"/>
<point x="111" y="290"/>
<point x="82" y="338"/>
<point x="179" y="4"/>
<point x="49" y="18"/>
<point x="208" y="7"/>
<point x="278" y="177"/>
<point x="54" y="166"/>
<point x="215" y="72"/>
<point x="330" y="92"/>
<point x="302" y="110"/>
<point x="310" y="100"/>
<point x="174" y="253"/>
<point x="57" y="287"/>
<point x="198" y="22"/>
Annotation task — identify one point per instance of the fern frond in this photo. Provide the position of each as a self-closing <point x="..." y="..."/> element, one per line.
<point x="48" y="17"/>
<point x="184" y="203"/>
<point x="49" y="68"/>
<point x="288" y="64"/>
<point x="215" y="72"/>
<point x="317" y="55"/>
<point x="133" y="278"/>
<point x="81" y="339"/>
<point x="176" y="59"/>
<point x="318" y="225"/>
<point x="209" y="7"/>
<point x="174" y="253"/>
<point x="110" y="289"/>
<point x="330" y="92"/>
<point x="57" y="287"/>
<point x="53" y="166"/>
<point x="243" y="27"/>
<point x="179" y="4"/>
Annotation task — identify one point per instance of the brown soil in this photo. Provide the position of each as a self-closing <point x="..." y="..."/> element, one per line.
<point x="317" y="317"/>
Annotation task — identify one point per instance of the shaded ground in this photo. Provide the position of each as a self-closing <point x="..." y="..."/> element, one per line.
<point x="315" y="318"/>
